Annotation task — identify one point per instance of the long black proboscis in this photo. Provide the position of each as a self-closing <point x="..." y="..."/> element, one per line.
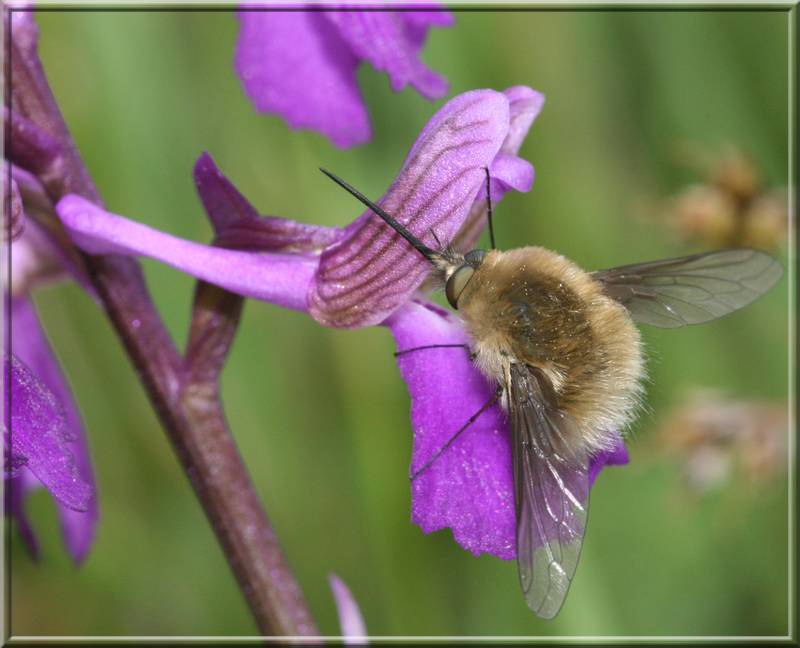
<point x="418" y="245"/>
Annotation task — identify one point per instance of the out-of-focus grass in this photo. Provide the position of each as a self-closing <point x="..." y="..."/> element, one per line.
<point x="321" y="416"/>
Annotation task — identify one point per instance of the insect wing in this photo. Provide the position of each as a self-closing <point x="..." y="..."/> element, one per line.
<point x="693" y="289"/>
<point x="551" y="490"/>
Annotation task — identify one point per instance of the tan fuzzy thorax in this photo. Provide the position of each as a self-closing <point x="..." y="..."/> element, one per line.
<point x="533" y="306"/>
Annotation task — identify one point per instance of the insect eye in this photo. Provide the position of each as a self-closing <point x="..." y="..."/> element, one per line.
<point x="475" y="258"/>
<point x="456" y="284"/>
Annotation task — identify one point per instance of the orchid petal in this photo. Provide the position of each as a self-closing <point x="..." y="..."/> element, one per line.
<point x="391" y="43"/>
<point x="469" y="486"/>
<point x="238" y="224"/>
<point x="274" y="234"/>
<point x="223" y="202"/>
<point x="525" y="105"/>
<point x="30" y="345"/>
<point x="430" y="17"/>
<point x="372" y="271"/>
<point x="616" y="456"/>
<point x="281" y="279"/>
<point x="37" y="431"/>
<point x="351" y="622"/>
<point x="508" y="172"/>
<point x="295" y="64"/>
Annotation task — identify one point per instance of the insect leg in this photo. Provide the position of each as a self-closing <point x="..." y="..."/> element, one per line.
<point x="453" y="438"/>
<point x="431" y="346"/>
<point x="489" y="207"/>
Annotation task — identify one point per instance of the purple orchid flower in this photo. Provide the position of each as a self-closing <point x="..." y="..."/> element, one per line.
<point x="301" y="64"/>
<point x="364" y="274"/>
<point x="44" y="435"/>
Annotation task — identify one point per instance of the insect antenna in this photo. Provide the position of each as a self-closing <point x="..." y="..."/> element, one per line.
<point x="489" y="206"/>
<point x="419" y="246"/>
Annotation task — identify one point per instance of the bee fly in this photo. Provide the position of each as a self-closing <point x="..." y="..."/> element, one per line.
<point x="561" y="345"/>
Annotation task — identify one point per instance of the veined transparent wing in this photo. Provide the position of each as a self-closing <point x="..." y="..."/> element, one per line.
<point x="551" y="490"/>
<point x="693" y="289"/>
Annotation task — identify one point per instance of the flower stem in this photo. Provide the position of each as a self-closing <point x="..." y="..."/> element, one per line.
<point x="186" y="401"/>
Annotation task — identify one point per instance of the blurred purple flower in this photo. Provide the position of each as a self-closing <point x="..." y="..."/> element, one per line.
<point x="354" y="631"/>
<point x="302" y="64"/>
<point x="44" y="434"/>
<point x="364" y="274"/>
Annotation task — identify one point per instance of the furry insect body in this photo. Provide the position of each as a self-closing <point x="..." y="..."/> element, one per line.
<point x="535" y="307"/>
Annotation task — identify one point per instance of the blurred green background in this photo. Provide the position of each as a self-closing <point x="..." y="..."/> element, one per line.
<point x="321" y="416"/>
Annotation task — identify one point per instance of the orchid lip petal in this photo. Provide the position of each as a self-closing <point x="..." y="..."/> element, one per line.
<point x="616" y="456"/>
<point x="281" y="279"/>
<point x="370" y="272"/>
<point x="469" y="487"/>
<point x="313" y="86"/>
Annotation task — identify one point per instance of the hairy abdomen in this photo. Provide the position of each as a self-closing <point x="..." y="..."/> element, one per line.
<point x="533" y="306"/>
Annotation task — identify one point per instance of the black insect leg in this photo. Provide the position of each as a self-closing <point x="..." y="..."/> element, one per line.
<point x="432" y="346"/>
<point x="453" y="438"/>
